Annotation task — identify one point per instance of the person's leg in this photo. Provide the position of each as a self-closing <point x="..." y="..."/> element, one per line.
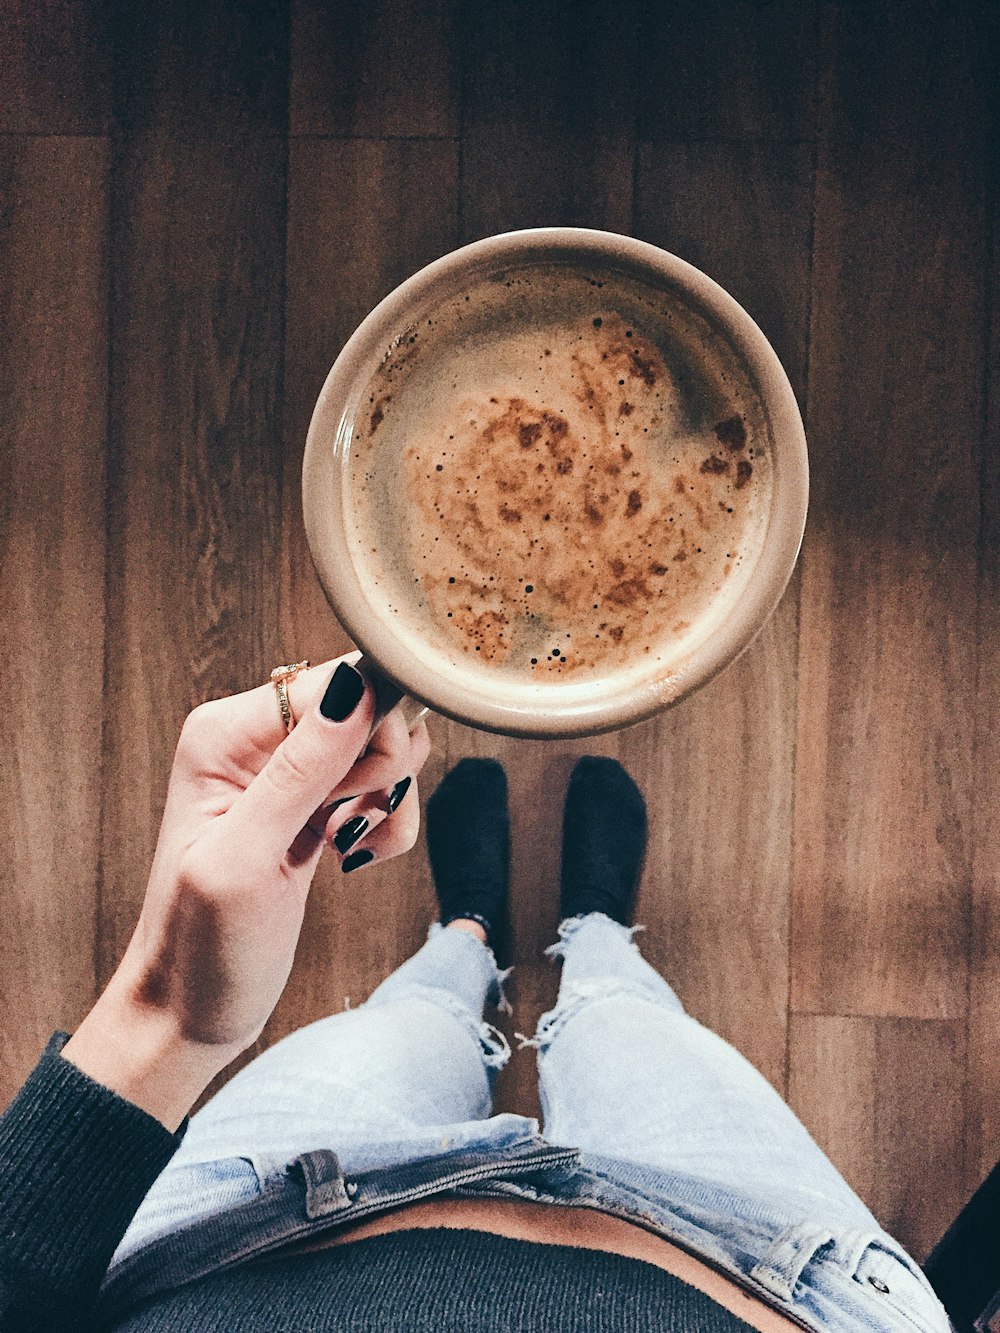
<point x="624" y="1072"/>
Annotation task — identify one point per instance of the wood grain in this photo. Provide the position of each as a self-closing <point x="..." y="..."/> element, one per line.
<point x="887" y="658"/>
<point x="718" y="70"/>
<point x="56" y="63"/>
<point x="548" y="116"/>
<point x="382" y="69"/>
<point x="983" y="1079"/>
<point x="721" y="769"/>
<point x="883" y="1098"/>
<point x="195" y="474"/>
<point x="353" y="235"/>
<point x="53" y="372"/>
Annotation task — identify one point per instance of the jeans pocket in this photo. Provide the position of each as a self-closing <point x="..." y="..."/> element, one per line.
<point x="893" y="1282"/>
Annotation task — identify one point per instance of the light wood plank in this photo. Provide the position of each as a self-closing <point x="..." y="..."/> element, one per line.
<point x="53" y="368"/>
<point x="388" y="68"/>
<point x="884" y="1099"/>
<point x="722" y="769"/>
<point x="195" y="486"/>
<point x="884" y="781"/>
<point x="983" y="1086"/>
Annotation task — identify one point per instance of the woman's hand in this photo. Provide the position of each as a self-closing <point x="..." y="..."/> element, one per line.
<point x="249" y="810"/>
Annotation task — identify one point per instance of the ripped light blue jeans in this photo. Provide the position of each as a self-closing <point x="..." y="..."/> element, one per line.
<point x="648" y="1116"/>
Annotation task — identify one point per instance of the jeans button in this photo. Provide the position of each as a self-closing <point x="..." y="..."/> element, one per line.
<point x="879" y="1285"/>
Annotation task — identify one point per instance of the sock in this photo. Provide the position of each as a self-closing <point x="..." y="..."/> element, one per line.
<point x="604" y="840"/>
<point x="468" y="838"/>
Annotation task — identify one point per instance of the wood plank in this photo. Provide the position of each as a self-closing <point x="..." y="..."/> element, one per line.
<point x="383" y="69"/>
<point x="199" y="71"/>
<point x="884" y="779"/>
<point x="548" y="116"/>
<point x="353" y="235"/>
<point x="983" y="1078"/>
<point x="719" y="70"/>
<point x="742" y="214"/>
<point x="721" y="765"/>
<point x="195" y="483"/>
<point x="884" y="1099"/>
<point x="56" y="62"/>
<point x="53" y="368"/>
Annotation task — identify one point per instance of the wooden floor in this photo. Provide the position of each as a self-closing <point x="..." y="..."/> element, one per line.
<point x="199" y="208"/>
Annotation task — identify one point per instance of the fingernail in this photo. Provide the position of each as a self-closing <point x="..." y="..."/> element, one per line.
<point x="343" y="693"/>
<point x="398" y="792"/>
<point x="348" y="834"/>
<point x="357" y="859"/>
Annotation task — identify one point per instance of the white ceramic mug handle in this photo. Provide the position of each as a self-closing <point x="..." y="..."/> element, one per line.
<point x="389" y="696"/>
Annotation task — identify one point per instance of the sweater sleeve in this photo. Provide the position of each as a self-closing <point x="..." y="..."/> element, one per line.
<point x="76" y="1161"/>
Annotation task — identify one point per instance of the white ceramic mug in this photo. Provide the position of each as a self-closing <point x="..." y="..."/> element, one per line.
<point x="481" y="698"/>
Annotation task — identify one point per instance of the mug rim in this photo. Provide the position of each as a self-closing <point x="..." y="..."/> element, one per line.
<point x="322" y="490"/>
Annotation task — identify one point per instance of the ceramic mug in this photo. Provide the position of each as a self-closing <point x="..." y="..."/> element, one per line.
<point x="397" y="654"/>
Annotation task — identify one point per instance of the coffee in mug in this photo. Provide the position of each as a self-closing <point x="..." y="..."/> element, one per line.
<point x="554" y="482"/>
<point x="557" y="477"/>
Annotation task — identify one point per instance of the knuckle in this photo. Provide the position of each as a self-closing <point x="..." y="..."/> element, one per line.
<point x="201" y="729"/>
<point x="290" y="767"/>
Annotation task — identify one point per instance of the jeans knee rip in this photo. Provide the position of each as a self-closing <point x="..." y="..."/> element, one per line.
<point x="577" y="996"/>
<point x="492" y="1042"/>
<point x="569" y="927"/>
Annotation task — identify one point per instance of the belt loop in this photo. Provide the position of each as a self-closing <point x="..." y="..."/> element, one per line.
<point x="326" y="1190"/>
<point x="781" y="1267"/>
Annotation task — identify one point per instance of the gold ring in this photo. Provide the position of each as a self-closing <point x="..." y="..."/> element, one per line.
<point x="281" y="676"/>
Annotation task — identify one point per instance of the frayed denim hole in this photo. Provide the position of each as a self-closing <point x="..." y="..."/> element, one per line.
<point x="578" y="996"/>
<point x="495" y="1046"/>
<point x="569" y="927"/>
<point x="496" y="993"/>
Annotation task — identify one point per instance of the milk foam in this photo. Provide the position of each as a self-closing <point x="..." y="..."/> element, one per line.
<point x="557" y="481"/>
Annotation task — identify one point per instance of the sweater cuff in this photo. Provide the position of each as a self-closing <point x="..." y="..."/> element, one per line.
<point x="76" y="1161"/>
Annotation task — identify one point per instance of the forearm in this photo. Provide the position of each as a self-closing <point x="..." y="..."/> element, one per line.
<point x="137" y="1051"/>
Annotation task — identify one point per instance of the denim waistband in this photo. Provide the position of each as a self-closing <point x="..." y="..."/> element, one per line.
<point x="826" y="1280"/>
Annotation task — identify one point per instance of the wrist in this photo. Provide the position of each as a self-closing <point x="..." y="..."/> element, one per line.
<point x="139" y="1052"/>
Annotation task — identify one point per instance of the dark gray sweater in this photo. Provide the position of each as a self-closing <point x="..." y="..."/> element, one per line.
<point x="76" y="1161"/>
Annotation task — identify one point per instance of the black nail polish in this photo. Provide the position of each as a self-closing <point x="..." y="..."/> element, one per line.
<point x="348" y="834"/>
<point x="357" y="859"/>
<point x="398" y="792"/>
<point x="343" y="693"/>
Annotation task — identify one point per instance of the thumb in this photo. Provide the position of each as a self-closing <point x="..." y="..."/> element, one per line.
<point x="307" y="765"/>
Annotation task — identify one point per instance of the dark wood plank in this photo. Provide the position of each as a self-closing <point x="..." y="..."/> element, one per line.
<point x="548" y="116"/>
<point x="513" y="180"/>
<point x="197" y="70"/>
<point x="720" y="70"/>
<point x="884" y="1099"/>
<point x="56" y="63"/>
<point x="742" y="214"/>
<point x="884" y="778"/>
<point x="353" y="235"/>
<point x="372" y="70"/>
<point x="53" y="369"/>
